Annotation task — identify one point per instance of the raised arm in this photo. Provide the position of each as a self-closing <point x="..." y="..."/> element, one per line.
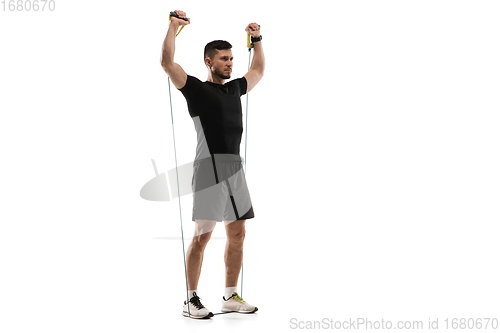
<point x="174" y="71"/>
<point x="256" y="71"/>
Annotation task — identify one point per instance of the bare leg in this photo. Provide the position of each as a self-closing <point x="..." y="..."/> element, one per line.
<point x="233" y="256"/>
<point x="194" y="255"/>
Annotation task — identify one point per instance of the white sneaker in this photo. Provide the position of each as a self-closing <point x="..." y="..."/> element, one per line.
<point x="196" y="309"/>
<point x="236" y="304"/>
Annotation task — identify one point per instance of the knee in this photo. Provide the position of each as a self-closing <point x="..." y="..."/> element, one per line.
<point x="201" y="241"/>
<point x="202" y="232"/>
<point x="237" y="237"/>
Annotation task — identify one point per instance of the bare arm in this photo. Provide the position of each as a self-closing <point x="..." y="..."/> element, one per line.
<point x="257" y="67"/>
<point x="174" y="70"/>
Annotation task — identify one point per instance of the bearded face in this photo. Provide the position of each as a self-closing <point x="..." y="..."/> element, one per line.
<point x="222" y="64"/>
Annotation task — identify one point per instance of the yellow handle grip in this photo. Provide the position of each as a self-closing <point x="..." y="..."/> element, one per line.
<point x="249" y="42"/>
<point x="182" y="27"/>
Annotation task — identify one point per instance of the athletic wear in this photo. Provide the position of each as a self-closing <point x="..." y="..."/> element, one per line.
<point x="192" y="293"/>
<point x="228" y="292"/>
<point x="196" y="309"/>
<point x="219" y="186"/>
<point x="205" y="226"/>
<point x="236" y="304"/>
<point x="220" y="191"/>
<point x="217" y="115"/>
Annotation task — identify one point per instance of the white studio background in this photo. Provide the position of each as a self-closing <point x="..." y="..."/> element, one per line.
<point x="373" y="158"/>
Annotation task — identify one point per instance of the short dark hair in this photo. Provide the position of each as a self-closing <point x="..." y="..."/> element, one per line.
<point x="213" y="48"/>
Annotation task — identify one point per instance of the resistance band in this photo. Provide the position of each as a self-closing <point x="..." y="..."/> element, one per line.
<point x="177" y="174"/>
<point x="249" y="45"/>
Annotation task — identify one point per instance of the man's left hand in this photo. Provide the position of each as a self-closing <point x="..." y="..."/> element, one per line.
<point x="256" y="32"/>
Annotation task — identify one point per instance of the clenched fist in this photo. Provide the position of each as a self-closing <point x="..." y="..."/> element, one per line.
<point x="180" y="20"/>
<point x="256" y="32"/>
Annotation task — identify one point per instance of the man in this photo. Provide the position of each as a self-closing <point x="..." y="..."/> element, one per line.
<point x="219" y="185"/>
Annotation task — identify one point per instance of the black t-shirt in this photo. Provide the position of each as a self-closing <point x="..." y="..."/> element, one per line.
<point x="217" y="115"/>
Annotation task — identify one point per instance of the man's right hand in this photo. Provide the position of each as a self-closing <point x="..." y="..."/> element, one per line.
<point x="180" y="20"/>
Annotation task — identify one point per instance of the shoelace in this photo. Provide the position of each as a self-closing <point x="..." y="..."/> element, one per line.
<point x="196" y="302"/>
<point x="237" y="297"/>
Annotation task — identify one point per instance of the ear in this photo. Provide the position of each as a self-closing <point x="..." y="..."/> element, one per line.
<point x="208" y="62"/>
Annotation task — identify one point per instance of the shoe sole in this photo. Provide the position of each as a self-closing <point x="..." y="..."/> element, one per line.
<point x="208" y="316"/>
<point x="245" y="312"/>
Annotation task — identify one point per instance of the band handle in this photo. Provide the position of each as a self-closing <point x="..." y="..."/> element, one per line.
<point x="174" y="14"/>
<point x="249" y="43"/>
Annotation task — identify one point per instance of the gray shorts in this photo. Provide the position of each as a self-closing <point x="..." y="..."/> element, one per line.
<point x="220" y="191"/>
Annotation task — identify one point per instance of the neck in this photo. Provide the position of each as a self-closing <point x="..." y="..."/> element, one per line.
<point x="214" y="78"/>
